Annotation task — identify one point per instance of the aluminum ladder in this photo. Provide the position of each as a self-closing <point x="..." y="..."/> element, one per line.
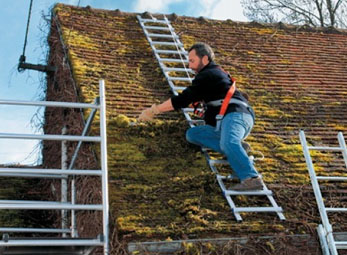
<point x="173" y="58"/>
<point x="325" y="230"/>
<point x="65" y="240"/>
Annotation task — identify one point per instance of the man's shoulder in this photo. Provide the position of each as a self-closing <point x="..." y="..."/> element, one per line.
<point x="211" y="67"/>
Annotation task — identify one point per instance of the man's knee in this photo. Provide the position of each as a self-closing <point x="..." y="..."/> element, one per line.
<point x="229" y="147"/>
<point x="190" y="135"/>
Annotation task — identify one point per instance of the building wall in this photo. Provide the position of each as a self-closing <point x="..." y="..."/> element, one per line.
<point x="61" y="87"/>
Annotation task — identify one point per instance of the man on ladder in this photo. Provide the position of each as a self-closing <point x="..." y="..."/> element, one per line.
<point x="228" y="117"/>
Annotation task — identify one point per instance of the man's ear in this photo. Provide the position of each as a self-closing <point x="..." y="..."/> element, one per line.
<point x="205" y="60"/>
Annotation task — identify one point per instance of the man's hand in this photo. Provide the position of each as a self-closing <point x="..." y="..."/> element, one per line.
<point x="149" y="113"/>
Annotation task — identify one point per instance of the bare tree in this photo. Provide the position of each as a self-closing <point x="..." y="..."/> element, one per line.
<point x="316" y="13"/>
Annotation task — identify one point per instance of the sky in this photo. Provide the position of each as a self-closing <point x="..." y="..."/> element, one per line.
<point x="29" y="85"/>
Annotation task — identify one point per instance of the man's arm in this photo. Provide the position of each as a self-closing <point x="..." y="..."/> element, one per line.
<point x="149" y="113"/>
<point x="166" y="106"/>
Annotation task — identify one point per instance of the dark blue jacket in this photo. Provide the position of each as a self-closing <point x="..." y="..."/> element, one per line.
<point x="210" y="84"/>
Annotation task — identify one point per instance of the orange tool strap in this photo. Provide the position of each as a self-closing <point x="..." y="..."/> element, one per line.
<point x="227" y="98"/>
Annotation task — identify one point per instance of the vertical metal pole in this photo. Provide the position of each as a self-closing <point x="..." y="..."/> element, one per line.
<point x="318" y="195"/>
<point x="103" y="146"/>
<point x="73" y="214"/>
<point x="342" y="143"/>
<point x="64" y="182"/>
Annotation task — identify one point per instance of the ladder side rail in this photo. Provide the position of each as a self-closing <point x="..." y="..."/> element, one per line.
<point x="343" y="146"/>
<point x="274" y="204"/>
<point x="318" y="195"/>
<point x="179" y="47"/>
<point x="149" y="40"/>
<point x="172" y="87"/>
<point x="175" y="37"/>
<point x="222" y="186"/>
<point x="229" y="200"/>
<point x="154" y="50"/>
<point x="104" y="167"/>
<point x="322" y="239"/>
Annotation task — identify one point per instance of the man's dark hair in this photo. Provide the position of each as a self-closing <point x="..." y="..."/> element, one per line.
<point x="203" y="49"/>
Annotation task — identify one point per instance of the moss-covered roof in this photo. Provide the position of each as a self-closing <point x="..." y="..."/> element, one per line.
<point x="160" y="186"/>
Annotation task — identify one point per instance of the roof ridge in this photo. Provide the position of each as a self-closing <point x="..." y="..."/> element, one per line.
<point x="173" y="16"/>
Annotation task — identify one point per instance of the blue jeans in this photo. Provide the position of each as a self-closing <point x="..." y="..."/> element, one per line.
<point x="234" y="128"/>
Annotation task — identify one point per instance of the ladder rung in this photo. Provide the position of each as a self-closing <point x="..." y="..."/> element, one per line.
<point x="46" y="205"/>
<point x="50" y="104"/>
<point x="187" y="109"/>
<point x="171" y="52"/>
<point x="331" y="178"/>
<point x="258" y="209"/>
<point x="53" y="242"/>
<point x="341" y="244"/>
<point x="325" y="148"/>
<point x="176" y="88"/>
<point x="167" y="43"/>
<point x="197" y="121"/>
<point x="162" y="21"/>
<point x="222" y="177"/>
<point x="218" y="161"/>
<point x="177" y="69"/>
<point x="157" y="28"/>
<point x="173" y="60"/>
<point x="49" y="171"/>
<point x="170" y="78"/>
<point x="250" y="193"/>
<point x="52" y="137"/>
<point x="163" y="36"/>
<point x="44" y="176"/>
<point x="336" y="209"/>
<point x="35" y="230"/>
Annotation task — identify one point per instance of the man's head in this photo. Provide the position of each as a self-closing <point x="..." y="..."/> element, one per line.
<point x="200" y="54"/>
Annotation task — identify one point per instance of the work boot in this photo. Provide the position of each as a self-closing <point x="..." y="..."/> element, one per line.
<point x="249" y="184"/>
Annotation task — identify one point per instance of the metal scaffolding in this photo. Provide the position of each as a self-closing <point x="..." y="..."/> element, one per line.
<point x="82" y="245"/>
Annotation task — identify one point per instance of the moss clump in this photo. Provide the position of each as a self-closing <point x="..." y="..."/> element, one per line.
<point x="76" y="38"/>
<point x="120" y="121"/>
